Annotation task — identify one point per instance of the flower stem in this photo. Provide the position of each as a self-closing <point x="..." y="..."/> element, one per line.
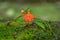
<point x="17" y="18"/>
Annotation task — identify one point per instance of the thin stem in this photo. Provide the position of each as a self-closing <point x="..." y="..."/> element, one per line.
<point x="17" y="18"/>
<point x="13" y="20"/>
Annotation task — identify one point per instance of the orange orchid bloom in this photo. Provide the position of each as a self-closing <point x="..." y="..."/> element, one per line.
<point x="27" y="17"/>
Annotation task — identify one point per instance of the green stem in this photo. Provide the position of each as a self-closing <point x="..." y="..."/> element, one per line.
<point x="17" y="18"/>
<point x="13" y="20"/>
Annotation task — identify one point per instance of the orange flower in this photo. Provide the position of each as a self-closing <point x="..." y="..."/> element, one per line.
<point x="28" y="17"/>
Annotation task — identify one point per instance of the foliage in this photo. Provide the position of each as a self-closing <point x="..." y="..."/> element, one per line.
<point x="37" y="30"/>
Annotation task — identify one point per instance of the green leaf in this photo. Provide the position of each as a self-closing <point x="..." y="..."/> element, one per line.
<point x="40" y="24"/>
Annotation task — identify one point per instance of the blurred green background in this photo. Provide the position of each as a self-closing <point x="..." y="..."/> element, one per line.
<point x="44" y="9"/>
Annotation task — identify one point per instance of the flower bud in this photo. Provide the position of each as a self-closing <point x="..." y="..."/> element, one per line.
<point x="22" y="11"/>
